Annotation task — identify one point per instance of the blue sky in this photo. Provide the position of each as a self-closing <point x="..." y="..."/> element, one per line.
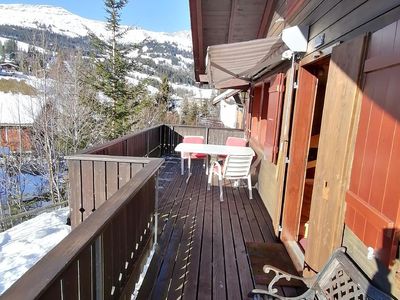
<point x="156" y="15"/>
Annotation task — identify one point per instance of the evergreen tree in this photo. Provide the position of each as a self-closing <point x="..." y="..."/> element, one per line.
<point x="163" y="96"/>
<point x="112" y="65"/>
<point x="204" y="109"/>
<point x="2" y="52"/>
<point x="184" y="111"/>
<point x="10" y="46"/>
<point x="193" y="113"/>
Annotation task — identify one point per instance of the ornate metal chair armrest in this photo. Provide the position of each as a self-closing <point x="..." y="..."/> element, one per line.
<point x="262" y="293"/>
<point x="279" y="274"/>
<point x="309" y="294"/>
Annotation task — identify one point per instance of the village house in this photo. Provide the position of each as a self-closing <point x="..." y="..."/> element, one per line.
<point x="8" y="68"/>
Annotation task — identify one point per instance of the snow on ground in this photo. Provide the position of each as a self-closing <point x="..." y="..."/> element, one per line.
<point x="23" y="245"/>
<point x="23" y="46"/>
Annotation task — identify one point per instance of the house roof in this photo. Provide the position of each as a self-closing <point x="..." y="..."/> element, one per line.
<point x="226" y="21"/>
<point x="9" y="64"/>
<point x="242" y="61"/>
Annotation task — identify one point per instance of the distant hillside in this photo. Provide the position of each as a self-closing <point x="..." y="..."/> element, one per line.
<point x="17" y="87"/>
<point x="156" y="53"/>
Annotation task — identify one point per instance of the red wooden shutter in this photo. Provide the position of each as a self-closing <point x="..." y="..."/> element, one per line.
<point x="264" y="113"/>
<point x="373" y="206"/>
<point x="255" y="111"/>
<point x="275" y="99"/>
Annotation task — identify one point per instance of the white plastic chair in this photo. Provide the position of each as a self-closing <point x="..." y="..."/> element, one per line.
<point x="194" y="139"/>
<point x="233" y="141"/>
<point x="235" y="167"/>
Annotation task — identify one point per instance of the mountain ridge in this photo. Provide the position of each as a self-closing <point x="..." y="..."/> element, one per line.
<point x="156" y="53"/>
<point x="61" y="21"/>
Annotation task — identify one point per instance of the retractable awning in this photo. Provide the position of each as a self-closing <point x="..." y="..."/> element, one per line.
<point x="225" y="95"/>
<point x="235" y="64"/>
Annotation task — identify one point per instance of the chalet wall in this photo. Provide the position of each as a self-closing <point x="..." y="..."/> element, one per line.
<point x="270" y="175"/>
<point x="267" y="182"/>
<point x="386" y="280"/>
<point x="339" y="20"/>
<point x="14" y="136"/>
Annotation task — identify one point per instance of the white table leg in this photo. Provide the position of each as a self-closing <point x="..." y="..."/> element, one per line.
<point x="189" y="165"/>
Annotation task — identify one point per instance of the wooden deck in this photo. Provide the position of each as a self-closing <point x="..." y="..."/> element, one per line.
<point x="202" y="252"/>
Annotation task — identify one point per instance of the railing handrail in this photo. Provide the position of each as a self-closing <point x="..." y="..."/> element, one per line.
<point x="202" y="126"/>
<point x="37" y="279"/>
<point x="110" y="158"/>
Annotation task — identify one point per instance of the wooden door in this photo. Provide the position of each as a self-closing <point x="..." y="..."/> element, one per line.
<point x="373" y="198"/>
<point x="335" y="149"/>
<point x="299" y="144"/>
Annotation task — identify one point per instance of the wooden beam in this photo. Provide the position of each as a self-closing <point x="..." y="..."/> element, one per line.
<point x="231" y="21"/>
<point x="266" y="18"/>
<point x="197" y="37"/>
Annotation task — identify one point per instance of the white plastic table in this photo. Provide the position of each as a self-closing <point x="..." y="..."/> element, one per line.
<point x="212" y="150"/>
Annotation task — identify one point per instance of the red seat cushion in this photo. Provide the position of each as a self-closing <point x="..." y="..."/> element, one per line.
<point x="198" y="155"/>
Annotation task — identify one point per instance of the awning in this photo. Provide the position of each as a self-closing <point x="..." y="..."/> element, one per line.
<point x="225" y="95"/>
<point x="238" y="63"/>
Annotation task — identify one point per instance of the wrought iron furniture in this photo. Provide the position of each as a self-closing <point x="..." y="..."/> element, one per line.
<point x="339" y="279"/>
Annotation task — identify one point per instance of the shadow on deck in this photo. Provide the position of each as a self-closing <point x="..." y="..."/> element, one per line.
<point x="201" y="252"/>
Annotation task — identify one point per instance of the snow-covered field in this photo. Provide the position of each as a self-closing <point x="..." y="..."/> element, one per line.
<point x="23" y="245"/>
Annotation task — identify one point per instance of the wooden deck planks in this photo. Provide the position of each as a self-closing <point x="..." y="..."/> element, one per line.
<point x="202" y="252"/>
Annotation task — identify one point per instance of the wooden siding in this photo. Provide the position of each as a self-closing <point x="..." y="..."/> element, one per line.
<point x="385" y="279"/>
<point x="339" y="20"/>
<point x="335" y="151"/>
<point x="16" y="138"/>
<point x="271" y="175"/>
<point x="373" y="207"/>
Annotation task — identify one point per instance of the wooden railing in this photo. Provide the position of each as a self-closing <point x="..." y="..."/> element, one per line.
<point x="145" y="143"/>
<point x="93" y="179"/>
<point x="101" y="258"/>
<point x="172" y="135"/>
<point x="161" y="140"/>
<point x="113" y="196"/>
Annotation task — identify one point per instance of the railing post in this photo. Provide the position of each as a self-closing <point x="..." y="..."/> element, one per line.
<point x="207" y="132"/>
<point x="172" y="140"/>
<point x="156" y="209"/>
<point x="147" y="143"/>
<point x="161" y="142"/>
<point x="97" y="253"/>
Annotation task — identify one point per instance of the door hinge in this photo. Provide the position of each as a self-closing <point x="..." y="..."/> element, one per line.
<point x="287" y="160"/>
<point x="295" y="85"/>
<point x="280" y="228"/>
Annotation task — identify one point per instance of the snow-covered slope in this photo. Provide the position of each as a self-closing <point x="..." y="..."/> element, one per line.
<point x="157" y="53"/>
<point x="23" y="245"/>
<point x="59" y="20"/>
